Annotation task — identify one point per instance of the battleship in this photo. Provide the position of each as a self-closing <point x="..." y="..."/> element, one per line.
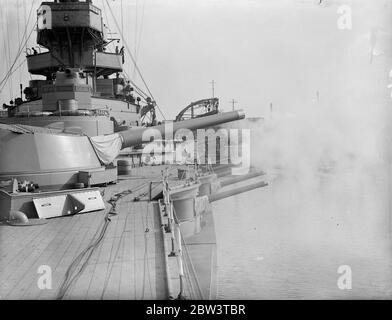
<point x="86" y="212"/>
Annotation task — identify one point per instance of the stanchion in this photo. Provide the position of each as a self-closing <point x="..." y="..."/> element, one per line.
<point x="181" y="295"/>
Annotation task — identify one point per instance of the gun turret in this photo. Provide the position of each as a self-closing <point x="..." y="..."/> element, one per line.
<point x="34" y="154"/>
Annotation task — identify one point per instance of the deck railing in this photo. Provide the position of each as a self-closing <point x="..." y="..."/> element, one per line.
<point x="60" y="113"/>
<point x="186" y="271"/>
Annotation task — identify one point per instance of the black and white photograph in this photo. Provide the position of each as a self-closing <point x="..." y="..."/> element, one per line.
<point x="201" y="150"/>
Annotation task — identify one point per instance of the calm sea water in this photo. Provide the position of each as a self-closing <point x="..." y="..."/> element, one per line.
<point x="287" y="240"/>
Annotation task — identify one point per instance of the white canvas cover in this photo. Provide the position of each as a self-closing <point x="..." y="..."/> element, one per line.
<point x="107" y="147"/>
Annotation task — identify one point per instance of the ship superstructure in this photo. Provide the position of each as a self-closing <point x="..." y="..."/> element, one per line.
<point x="82" y="85"/>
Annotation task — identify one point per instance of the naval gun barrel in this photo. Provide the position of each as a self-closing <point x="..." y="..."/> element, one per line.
<point x="134" y="137"/>
<point x="107" y="148"/>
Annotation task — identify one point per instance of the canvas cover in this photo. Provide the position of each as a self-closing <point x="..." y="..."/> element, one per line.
<point x="107" y="147"/>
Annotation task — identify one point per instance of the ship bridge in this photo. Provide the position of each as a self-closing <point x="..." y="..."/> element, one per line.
<point x="75" y="35"/>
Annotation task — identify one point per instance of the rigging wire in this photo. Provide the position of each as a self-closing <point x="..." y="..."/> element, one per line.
<point x="24" y="36"/>
<point x="11" y="86"/>
<point x="24" y="20"/>
<point x="7" y="54"/>
<point x="18" y="67"/>
<point x="138" y="90"/>
<point x="135" y="36"/>
<point x="16" y="59"/>
<point x="132" y="57"/>
<point x="10" y="71"/>
<point x="141" y="30"/>
<point x="122" y="17"/>
<point x="111" y="31"/>
<point x="4" y="44"/>
<point x="20" y="48"/>
<point x="18" y="28"/>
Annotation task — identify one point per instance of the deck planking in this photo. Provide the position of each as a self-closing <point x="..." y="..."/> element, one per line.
<point x="127" y="264"/>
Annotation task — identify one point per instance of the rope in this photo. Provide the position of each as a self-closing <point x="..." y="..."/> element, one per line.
<point x="112" y="263"/>
<point x="70" y="280"/>
<point x="143" y="194"/>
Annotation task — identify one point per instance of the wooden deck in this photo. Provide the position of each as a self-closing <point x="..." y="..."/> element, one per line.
<point x="128" y="263"/>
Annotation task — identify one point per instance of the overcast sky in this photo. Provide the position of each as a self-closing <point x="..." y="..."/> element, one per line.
<point x="258" y="52"/>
